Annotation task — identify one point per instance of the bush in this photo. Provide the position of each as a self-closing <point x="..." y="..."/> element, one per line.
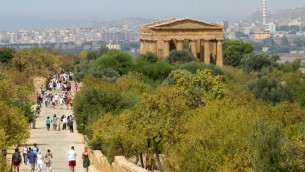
<point x="234" y="50"/>
<point x="116" y="60"/>
<point x="267" y="143"/>
<point x="149" y="57"/>
<point x="193" y="66"/>
<point x="94" y="100"/>
<point x="177" y="57"/>
<point x="156" y="71"/>
<point x="255" y="62"/>
<point x="270" y="90"/>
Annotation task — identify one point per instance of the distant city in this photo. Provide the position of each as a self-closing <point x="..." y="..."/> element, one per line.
<point x="282" y="25"/>
<point x="77" y="35"/>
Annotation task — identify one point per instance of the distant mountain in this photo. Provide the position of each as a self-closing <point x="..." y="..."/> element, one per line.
<point x="279" y="15"/>
<point x="132" y="23"/>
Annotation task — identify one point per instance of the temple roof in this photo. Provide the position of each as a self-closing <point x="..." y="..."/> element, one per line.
<point x="184" y="23"/>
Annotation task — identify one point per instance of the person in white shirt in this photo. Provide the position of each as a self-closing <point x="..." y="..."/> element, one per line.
<point x="25" y="154"/>
<point x="40" y="158"/>
<point x="61" y="102"/>
<point x="56" y="99"/>
<point x="64" y="121"/>
<point x="58" y="86"/>
<point x="72" y="159"/>
<point x="51" y="86"/>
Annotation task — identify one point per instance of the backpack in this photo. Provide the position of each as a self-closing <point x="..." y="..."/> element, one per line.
<point x="70" y="123"/>
<point x="17" y="157"/>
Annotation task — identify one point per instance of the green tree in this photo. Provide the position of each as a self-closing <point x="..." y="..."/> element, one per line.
<point x="149" y="57"/>
<point x="283" y="28"/>
<point x="267" y="143"/>
<point x="6" y="54"/>
<point x="132" y="82"/>
<point x="299" y="42"/>
<point x="193" y="66"/>
<point x="295" y="81"/>
<point x="290" y="67"/>
<point x="215" y="137"/>
<point x="155" y="70"/>
<point x="93" y="55"/>
<point x="177" y="57"/>
<point x="255" y="62"/>
<point x="199" y="88"/>
<point x="239" y="34"/>
<point x="95" y="99"/>
<point x="35" y="61"/>
<point x="159" y="118"/>
<point x="127" y="46"/>
<point x="234" y="51"/>
<point x="257" y="46"/>
<point x="295" y="27"/>
<point x="270" y="90"/>
<point x="268" y="42"/>
<point x="116" y="60"/>
<point x="284" y="41"/>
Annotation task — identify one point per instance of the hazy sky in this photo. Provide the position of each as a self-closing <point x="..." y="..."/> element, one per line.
<point x="27" y="14"/>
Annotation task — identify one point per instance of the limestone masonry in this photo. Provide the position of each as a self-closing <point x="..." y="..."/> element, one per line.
<point x="205" y="39"/>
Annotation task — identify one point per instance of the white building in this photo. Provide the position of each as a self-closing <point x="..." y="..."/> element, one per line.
<point x="113" y="46"/>
<point x="270" y="27"/>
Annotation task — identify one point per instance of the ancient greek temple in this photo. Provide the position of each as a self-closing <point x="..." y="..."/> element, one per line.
<point x="204" y="40"/>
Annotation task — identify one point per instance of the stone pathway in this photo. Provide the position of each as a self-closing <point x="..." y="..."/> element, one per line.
<point x="59" y="142"/>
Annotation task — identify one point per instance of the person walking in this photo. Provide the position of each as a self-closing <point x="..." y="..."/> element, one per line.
<point x="48" y="160"/>
<point x="47" y="101"/>
<point x="39" y="161"/>
<point x="64" y="121"/>
<point x="86" y="159"/>
<point x="38" y="110"/>
<point x="32" y="157"/>
<point x="35" y="148"/>
<point x="16" y="160"/>
<point x="25" y="154"/>
<point x="56" y="98"/>
<point x="58" y="124"/>
<point x="61" y="102"/>
<point x="34" y="121"/>
<point x="48" y="123"/>
<point x="71" y="125"/>
<point x="72" y="159"/>
<point x="76" y="86"/>
<point x="54" y="121"/>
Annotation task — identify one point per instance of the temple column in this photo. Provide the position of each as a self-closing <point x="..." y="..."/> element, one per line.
<point x="142" y="44"/>
<point x="219" y="61"/>
<point x="207" y="52"/>
<point x="146" y="47"/>
<point x="179" y="45"/>
<point x="201" y="42"/>
<point x="166" y="48"/>
<point x="194" y="47"/>
<point x="153" y="47"/>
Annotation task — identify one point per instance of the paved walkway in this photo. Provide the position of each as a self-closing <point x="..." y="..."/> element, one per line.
<point x="59" y="142"/>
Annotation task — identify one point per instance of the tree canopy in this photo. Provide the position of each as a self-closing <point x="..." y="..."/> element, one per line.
<point x="35" y="61"/>
<point x="234" y="50"/>
<point x="246" y="116"/>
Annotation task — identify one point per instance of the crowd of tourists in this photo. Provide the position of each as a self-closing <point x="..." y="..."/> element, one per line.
<point x="33" y="156"/>
<point x="60" y="123"/>
<point x="57" y="93"/>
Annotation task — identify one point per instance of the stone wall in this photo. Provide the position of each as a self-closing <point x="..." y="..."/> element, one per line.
<point x="120" y="164"/>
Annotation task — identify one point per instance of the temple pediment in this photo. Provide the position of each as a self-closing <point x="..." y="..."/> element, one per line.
<point x="183" y="24"/>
